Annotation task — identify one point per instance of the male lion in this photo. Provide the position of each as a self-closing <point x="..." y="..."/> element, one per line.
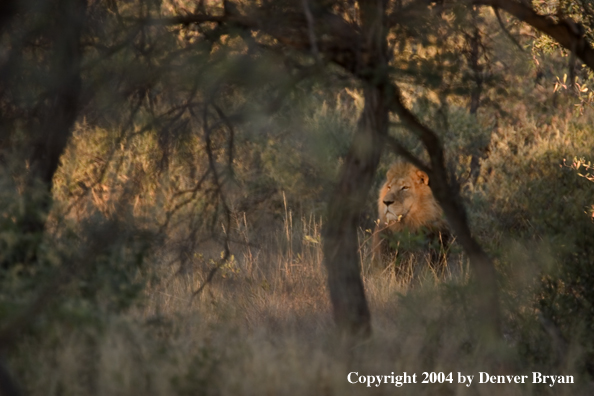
<point x="406" y="203"/>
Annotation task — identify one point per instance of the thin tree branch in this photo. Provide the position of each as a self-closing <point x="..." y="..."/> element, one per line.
<point x="310" y="28"/>
<point x="506" y="31"/>
<point x="219" y="193"/>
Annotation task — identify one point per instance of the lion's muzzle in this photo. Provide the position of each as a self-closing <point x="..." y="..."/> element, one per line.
<point x="392" y="217"/>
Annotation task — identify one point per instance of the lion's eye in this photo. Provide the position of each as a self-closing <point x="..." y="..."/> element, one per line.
<point x="389" y="186"/>
<point x="403" y="188"/>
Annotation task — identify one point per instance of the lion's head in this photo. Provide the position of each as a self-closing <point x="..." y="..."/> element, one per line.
<point x="406" y="201"/>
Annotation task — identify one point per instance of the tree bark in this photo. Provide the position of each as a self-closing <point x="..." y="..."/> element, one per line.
<point x="345" y="208"/>
<point x="56" y="128"/>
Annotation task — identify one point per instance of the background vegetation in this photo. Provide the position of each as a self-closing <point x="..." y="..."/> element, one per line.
<point x="167" y="169"/>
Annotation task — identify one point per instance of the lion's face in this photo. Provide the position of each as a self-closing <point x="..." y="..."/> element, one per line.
<point x="406" y="200"/>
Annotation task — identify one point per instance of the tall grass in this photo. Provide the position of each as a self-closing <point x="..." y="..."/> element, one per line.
<point x="264" y="328"/>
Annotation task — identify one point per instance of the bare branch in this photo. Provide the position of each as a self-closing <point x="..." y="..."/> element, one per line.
<point x="218" y="190"/>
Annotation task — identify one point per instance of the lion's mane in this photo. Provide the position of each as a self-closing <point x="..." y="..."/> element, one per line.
<point x="406" y="203"/>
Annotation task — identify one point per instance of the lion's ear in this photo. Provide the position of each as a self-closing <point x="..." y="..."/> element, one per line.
<point x="423" y="177"/>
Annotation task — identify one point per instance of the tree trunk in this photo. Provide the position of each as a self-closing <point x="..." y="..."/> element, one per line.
<point x="54" y="133"/>
<point x="351" y="313"/>
<point x="50" y="134"/>
<point x="345" y="208"/>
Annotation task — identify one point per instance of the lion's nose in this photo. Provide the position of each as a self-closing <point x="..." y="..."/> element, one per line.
<point x="388" y="203"/>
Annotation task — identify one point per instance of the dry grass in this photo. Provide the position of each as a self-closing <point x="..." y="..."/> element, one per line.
<point x="264" y="327"/>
